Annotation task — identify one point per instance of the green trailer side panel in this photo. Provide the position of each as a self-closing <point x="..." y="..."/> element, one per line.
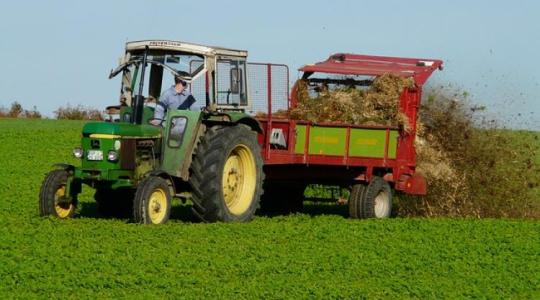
<point x="327" y="140"/>
<point x="331" y="141"/>
<point x="371" y="143"/>
<point x="300" y="139"/>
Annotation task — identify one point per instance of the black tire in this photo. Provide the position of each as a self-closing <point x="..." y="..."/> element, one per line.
<point x="52" y="189"/>
<point x="355" y="201"/>
<point x="282" y="198"/>
<point x="114" y="203"/>
<point x="376" y="201"/>
<point x="152" y="202"/>
<point x="212" y="201"/>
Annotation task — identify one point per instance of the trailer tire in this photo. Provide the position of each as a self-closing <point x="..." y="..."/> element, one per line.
<point x="52" y="189"/>
<point x="226" y="174"/>
<point x="152" y="203"/>
<point x="377" y="199"/>
<point x="355" y="201"/>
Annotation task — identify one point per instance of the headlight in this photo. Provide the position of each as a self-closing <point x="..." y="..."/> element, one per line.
<point x="112" y="156"/>
<point x="78" y="152"/>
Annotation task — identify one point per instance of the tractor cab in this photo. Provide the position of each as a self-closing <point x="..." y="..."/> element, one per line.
<point x="216" y="77"/>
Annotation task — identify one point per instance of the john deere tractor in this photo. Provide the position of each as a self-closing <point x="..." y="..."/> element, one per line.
<point x="210" y="152"/>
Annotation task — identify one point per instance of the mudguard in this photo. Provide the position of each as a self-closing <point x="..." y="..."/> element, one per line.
<point x="64" y="166"/>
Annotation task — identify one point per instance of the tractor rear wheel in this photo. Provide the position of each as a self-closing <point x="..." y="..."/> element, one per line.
<point x="152" y="203"/>
<point x="114" y="203"/>
<point x="371" y="201"/>
<point x="226" y="175"/>
<point x="52" y="196"/>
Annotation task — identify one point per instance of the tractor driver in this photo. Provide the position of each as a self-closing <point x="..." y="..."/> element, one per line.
<point x="175" y="97"/>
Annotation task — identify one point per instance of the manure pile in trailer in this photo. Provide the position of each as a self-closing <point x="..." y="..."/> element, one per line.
<point x="377" y="105"/>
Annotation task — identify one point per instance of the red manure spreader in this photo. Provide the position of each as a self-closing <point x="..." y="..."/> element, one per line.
<point x="372" y="161"/>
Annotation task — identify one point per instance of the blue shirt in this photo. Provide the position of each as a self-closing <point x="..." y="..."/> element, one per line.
<point x="170" y="99"/>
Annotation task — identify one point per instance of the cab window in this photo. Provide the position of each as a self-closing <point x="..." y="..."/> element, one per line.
<point x="230" y="82"/>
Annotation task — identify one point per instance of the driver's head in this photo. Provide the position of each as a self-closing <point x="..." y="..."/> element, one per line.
<point x="179" y="84"/>
<point x="179" y="81"/>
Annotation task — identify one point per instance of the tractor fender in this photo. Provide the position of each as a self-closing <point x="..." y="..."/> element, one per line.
<point x="233" y="118"/>
<point x="74" y="185"/>
<point x="164" y="175"/>
<point x="63" y="166"/>
<point x="252" y="123"/>
<point x="159" y="173"/>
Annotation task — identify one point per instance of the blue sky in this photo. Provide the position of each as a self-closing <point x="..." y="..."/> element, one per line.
<point x="59" y="52"/>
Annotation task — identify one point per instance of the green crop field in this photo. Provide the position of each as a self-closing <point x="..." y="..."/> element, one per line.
<point x="318" y="254"/>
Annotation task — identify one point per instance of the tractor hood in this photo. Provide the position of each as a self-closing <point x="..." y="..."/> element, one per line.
<point x="120" y="130"/>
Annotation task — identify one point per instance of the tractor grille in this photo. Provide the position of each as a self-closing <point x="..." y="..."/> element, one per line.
<point x="127" y="154"/>
<point x="95" y="144"/>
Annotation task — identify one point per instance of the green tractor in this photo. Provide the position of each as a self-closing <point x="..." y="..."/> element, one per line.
<point x="210" y="154"/>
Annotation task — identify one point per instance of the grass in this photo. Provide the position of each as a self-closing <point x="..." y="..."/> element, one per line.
<point x="313" y="255"/>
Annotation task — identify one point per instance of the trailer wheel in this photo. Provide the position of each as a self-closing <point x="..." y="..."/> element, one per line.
<point x="52" y="196"/>
<point x="152" y="203"/>
<point x="114" y="203"/>
<point x="355" y="200"/>
<point x="376" y="201"/>
<point x="226" y="175"/>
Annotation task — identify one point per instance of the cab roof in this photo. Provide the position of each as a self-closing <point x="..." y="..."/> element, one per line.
<point x="183" y="47"/>
<point x="356" y="64"/>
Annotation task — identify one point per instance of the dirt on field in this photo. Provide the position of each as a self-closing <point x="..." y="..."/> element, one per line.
<point x="474" y="166"/>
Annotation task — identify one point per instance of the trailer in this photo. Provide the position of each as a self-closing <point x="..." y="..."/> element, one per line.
<point x="371" y="161"/>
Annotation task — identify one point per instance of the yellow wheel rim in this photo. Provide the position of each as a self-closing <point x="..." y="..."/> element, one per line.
<point x="63" y="209"/>
<point x="157" y="206"/>
<point x="239" y="180"/>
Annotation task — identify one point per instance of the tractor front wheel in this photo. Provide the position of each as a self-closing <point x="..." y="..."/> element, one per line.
<point x="226" y="175"/>
<point x="152" y="203"/>
<point x="52" y="196"/>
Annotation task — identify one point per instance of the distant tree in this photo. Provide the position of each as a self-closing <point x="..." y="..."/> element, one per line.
<point x="78" y="112"/>
<point x="15" y="110"/>
<point x="32" y="114"/>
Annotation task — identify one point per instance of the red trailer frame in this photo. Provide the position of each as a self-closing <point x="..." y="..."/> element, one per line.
<point x="285" y="164"/>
